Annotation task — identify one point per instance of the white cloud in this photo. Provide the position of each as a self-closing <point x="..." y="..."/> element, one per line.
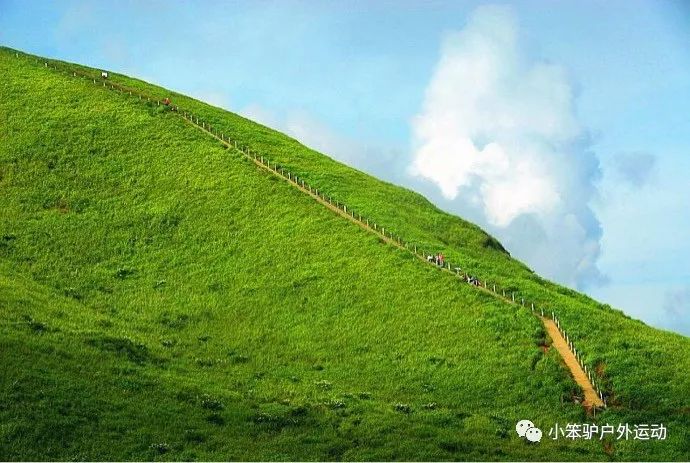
<point x="499" y="132"/>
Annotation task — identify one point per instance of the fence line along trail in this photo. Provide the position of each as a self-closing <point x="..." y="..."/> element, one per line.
<point x="593" y="396"/>
<point x="559" y="342"/>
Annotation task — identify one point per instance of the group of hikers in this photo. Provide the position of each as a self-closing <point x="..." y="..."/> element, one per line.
<point x="473" y="281"/>
<point x="440" y="260"/>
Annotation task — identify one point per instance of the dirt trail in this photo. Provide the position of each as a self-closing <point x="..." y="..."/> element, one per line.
<point x="591" y="397"/>
<point x="559" y="343"/>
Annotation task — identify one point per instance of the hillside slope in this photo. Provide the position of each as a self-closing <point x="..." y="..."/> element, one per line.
<point x="162" y="297"/>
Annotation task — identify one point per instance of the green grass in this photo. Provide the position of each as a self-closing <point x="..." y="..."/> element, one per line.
<point x="162" y="298"/>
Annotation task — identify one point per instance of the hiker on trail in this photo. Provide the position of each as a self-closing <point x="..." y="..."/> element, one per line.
<point x="441" y="260"/>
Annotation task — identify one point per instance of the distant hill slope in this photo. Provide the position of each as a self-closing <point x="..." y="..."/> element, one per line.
<point x="161" y="297"/>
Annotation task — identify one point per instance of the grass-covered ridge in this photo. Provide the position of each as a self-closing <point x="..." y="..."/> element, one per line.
<point x="161" y="297"/>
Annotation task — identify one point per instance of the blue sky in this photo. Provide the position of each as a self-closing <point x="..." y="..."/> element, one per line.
<point x="562" y="128"/>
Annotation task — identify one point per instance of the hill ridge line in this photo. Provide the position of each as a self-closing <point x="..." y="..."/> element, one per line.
<point x="593" y="395"/>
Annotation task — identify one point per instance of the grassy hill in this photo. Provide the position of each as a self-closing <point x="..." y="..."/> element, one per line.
<point x="162" y="298"/>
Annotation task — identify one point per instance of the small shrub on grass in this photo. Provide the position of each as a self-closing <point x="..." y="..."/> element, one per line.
<point x="335" y="404"/>
<point x="73" y="293"/>
<point x="132" y="350"/>
<point x="206" y="362"/>
<point x="273" y="421"/>
<point x="124" y="272"/>
<point x="237" y="358"/>
<point x="323" y="385"/>
<point x="216" y="418"/>
<point x="104" y="323"/>
<point x="161" y="448"/>
<point x="176" y="322"/>
<point x="35" y="325"/>
<point x="193" y="435"/>
<point x="426" y="387"/>
<point x="403" y="408"/>
<point x="211" y="403"/>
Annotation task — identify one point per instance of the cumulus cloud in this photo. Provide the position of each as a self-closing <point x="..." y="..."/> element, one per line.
<point x="635" y="168"/>
<point x="498" y="132"/>
<point x="677" y="308"/>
